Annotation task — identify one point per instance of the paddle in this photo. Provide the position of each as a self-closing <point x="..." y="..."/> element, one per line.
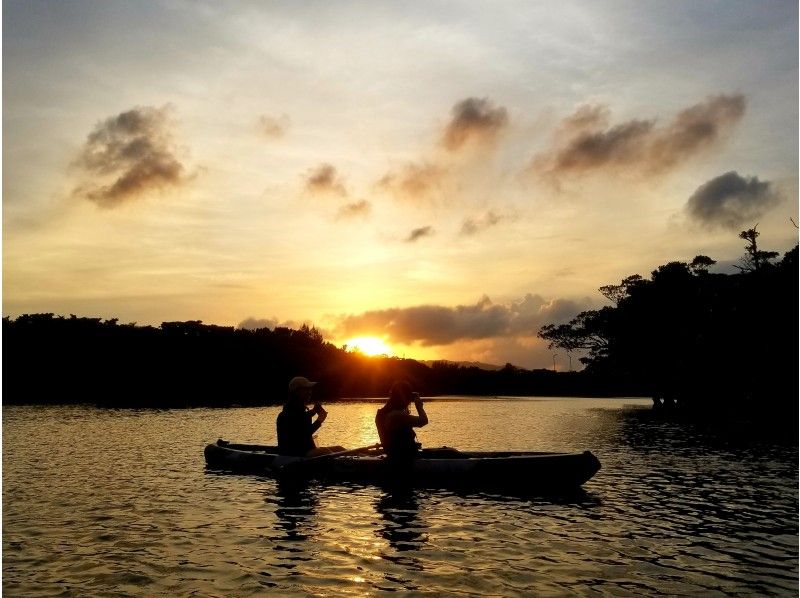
<point x="297" y="467"/>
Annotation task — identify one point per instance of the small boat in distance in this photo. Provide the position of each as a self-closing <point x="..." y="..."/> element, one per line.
<point x="520" y="471"/>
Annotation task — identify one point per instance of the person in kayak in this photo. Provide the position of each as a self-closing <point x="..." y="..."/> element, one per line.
<point x="295" y="426"/>
<point x="396" y="425"/>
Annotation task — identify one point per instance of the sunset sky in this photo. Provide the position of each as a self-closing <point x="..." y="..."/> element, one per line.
<point x="444" y="176"/>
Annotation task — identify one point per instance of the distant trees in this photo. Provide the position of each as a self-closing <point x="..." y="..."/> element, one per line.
<point x="699" y="338"/>
<point x="57" y="359"/>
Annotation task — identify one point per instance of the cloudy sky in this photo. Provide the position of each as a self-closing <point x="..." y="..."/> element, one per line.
<point x="444" y="176"/>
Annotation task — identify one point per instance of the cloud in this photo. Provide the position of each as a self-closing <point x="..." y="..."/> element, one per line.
<point x="324" y="180"/>
<point x="586" y="118"/>
<point x="696" y="128"/>
<point x="430" y="325"/>
<point x="474" y="119"/>
<point x="622" y="144"/>
<point x="731" y="201"/>
<point x="475" y="122"/>
<point x="355" y="209"/>
<point x="419" y="233"/>
<point x="415" y="181"/>
<point x="127" y="156"/>
<point x="474" y="225"/>
<point x="272" y="127"/>
<point x="584" y="141"/>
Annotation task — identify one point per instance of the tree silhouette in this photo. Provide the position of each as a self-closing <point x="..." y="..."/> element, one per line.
<point x="754" y="259"/>
<point x="697" y="337"/>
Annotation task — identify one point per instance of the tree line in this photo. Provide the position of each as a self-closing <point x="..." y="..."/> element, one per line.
<point x="50" y="358"/>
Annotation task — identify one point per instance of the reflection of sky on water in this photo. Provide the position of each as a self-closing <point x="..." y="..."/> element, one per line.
<point x="356" y="428"/>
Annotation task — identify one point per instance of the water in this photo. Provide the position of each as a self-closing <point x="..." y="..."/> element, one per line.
<point x="110" y="503"/>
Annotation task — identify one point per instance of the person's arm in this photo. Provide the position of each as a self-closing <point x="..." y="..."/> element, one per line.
<point x="321" y="415"/>
<point x="415" y="421"/>
<point x="421" y="415"/>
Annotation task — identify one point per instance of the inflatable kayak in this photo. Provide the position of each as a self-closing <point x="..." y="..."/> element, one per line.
<point x="443" y="467"/>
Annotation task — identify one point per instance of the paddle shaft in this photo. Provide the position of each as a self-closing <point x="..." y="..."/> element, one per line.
<point x="298" y="466"/>
<point x="340" y="453"/>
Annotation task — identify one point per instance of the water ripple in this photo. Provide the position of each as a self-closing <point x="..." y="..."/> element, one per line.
<point x="128" y="509"/>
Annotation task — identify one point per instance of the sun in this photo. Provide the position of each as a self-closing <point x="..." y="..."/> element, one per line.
<point x="368" y="345"/>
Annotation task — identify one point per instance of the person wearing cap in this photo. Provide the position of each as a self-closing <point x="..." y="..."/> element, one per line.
<point x="295" y="425"/>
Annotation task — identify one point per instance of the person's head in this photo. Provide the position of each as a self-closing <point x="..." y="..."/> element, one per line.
<point x="400" y="395"/>
<point x="300" y="389"/>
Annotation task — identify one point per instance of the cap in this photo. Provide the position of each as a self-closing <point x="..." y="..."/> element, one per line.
<point x="300" y="382"/>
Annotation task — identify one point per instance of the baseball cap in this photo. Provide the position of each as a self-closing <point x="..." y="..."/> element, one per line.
<point x="300" y="382"/>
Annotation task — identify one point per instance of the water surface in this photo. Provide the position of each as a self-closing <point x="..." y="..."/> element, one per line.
<point x="118" y="502"/>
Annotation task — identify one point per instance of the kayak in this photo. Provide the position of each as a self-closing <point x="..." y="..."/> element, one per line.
<point x="445" y="467"/>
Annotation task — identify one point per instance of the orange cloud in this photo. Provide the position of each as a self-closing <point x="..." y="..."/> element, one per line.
<point x="272" y="127"/>
<point x="419" y="233"/>
<point x="475" y="224"/>
<point x="355" y="209"/>
<point x="324" y="179"/>
<point x="415" y="181"/>
<point x="474" y="120"/>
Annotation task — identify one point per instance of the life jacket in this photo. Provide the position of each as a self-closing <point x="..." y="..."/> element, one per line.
<point x="397" y="441"/>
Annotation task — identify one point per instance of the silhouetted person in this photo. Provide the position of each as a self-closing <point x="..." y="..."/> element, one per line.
<point x="396" y="425"/>
<point x="295" y="425"/>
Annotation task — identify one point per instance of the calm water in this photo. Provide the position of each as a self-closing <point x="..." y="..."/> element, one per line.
<point x="109" y="503"/>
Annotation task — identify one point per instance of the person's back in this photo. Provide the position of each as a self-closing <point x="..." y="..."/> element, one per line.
<point x="396" y="425"/>
<point x="294" y="423"/>
<point x="295" y="430"/>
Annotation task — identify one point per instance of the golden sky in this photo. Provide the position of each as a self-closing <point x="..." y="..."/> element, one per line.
<point x="445" y="176"/>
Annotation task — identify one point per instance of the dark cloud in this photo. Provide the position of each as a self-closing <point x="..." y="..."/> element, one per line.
<point x="325" y="179"/>
<point x="622" y="144"/>
<point x="129" y="155"/>
<point x="586" y="143"/>
<point x="474" y="225"/>
<point x="272" y="127"/>
<point x="438" y="325"/>
<point x="352" y="210"/>
<point x="731" y="201"/>
<point x="415" y="181"/>
<point x="694" y="129"/>
<point x="474" y="119"/>
<point x="419" y="233"/>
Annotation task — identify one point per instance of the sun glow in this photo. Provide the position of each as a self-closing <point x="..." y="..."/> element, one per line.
<point x="368" y="345"/>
